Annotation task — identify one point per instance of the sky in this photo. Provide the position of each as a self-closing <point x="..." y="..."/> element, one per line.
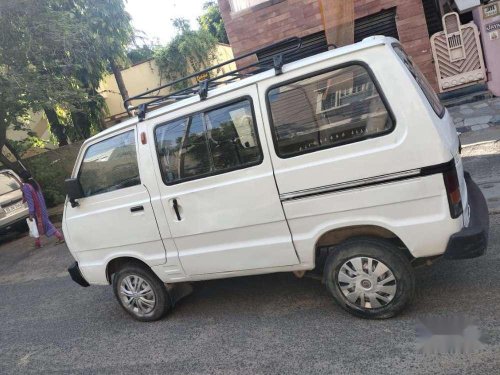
<point x="153" y="16"/>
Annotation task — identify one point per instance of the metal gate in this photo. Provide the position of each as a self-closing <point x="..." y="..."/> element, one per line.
<point x="311" y="45"/>
<point x="458" y="57"/>
<point x="381" y="23"/>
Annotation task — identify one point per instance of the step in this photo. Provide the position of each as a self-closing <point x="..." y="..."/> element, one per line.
<point x="466" y="99"/>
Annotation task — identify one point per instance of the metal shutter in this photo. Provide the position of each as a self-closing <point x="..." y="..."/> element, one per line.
<point x="311" y="45"/>
<point x="432" y="16"/>
<point x="382" y="23"/>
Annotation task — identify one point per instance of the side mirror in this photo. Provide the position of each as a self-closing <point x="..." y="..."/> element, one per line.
<point x="74" y="190"/>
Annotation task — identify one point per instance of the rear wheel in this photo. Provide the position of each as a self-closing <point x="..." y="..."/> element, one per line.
<point x="141" y="293"/>
<point x="370" y="278"/>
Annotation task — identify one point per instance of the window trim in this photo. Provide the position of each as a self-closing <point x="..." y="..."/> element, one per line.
<point x="443" y="110"/>
<point x="202" y="112"/>
<point x="132" y="129"/>
<point x="317" y="73"/>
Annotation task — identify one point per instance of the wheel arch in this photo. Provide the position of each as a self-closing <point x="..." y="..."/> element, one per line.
<point x="330" y="238"/>
<point x="115" y="264"/>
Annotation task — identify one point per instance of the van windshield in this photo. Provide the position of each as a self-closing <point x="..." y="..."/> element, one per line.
<point x="421" y="80"/>
<point x="7" y="183"/>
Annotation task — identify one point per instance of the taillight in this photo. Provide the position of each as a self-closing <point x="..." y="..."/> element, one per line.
<point x="453" y="190"/>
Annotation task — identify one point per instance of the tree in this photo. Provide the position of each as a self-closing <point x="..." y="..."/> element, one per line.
<point x="110" y="30"/>
<point x="56" y="127"/>
<point x="53" y="53"/>
<point x="188" y="52"/>
<point x="140" y="54"/>
<point x="212" y="22"/>
<point x="39" y="50"/>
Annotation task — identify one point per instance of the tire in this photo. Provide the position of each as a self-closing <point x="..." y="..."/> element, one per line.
<point x="130" y="285"/>
<point x="371" y="295"/>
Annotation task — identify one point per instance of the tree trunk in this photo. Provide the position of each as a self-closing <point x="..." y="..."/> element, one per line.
<point x="119" y="79"/>
<point x="16" y="165"/>
<point x="55" y="126"/>
<point x="81" y="124"/>
<point x="4" y="124"/>
<point x="6" y="149"/>
<point x="338" y="21"/>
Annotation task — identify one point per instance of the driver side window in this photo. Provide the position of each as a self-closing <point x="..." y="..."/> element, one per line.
<point x="110" y="165"/>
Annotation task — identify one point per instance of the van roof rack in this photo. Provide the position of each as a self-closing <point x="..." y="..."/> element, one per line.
<point x="152" y="98"/>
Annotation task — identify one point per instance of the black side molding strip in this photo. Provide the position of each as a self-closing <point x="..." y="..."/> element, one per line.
<point x="438" y="168"/>
<point x="371" y="181"/>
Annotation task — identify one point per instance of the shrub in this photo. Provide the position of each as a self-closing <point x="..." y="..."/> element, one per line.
<point x="50" y="169"/>
<point x="51" y="177"/>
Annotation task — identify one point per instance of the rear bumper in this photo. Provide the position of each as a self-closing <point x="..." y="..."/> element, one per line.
<point x="471" y="242"/>
<point x="76" y="275"/>
<point x="13" y="219"/>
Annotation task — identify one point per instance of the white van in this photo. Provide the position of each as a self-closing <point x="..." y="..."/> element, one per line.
<point x="344" y="164"/>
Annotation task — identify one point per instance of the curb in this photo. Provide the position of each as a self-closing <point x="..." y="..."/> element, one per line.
<point x="56" y="218"/>
<point x="474" y="128"/>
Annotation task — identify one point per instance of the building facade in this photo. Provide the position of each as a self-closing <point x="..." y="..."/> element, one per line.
<point x="139" y="78"/>
<point x="487" y="19"/>
<point x="253" y="24"/>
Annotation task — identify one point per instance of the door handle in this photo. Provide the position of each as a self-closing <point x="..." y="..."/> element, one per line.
<point x="136" y="209"/>
<point x="176" y="208"/>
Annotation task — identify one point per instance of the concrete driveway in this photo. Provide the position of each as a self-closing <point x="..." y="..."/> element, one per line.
<point x="251" y="325"/>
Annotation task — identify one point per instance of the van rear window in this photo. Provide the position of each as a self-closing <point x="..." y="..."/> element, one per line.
<point x="327" y="110"/>
<point x="427" y="89"/>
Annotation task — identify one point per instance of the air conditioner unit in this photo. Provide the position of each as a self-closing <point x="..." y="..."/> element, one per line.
<point x="466" y="5"/>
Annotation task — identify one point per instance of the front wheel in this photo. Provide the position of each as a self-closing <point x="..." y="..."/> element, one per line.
<point x="370" y="278"/>
<point x="141" y="293"/>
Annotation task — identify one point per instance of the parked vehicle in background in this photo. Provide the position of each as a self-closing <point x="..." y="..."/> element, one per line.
<point x="345" y="163"/>
<point x="13" y="210"/>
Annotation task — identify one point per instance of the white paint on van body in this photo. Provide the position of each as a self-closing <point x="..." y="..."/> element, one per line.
<point x="233" y="224"/>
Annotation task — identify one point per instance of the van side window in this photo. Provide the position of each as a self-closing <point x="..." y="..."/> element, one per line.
<point x="327" y="110"/>
<point x="110" y="165"/>
<point x="214" y="141"/>
<point x="231" y="136"/>
<point x="427" y="89"/>
<point x="193" y="154"/>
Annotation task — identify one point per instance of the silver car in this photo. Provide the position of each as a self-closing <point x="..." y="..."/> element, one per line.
<point x="12" y="208"/>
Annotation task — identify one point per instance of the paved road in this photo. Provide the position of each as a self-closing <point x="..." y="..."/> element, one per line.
<point x="252" y="325"/>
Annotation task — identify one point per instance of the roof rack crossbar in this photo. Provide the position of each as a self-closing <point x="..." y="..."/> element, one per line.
<point x="194" y="89"/>
<point x="152" y="97"/>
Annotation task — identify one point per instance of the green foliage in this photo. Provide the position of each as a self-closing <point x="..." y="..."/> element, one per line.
<point x="55" y="52"/>
<point x="51" y="168"/>
<point x="30" y="142"/>
<point x="189" y="51"/>
<point x="50" y="176"/>
<point x="212" y="22"/>
<point x="140" y="54"/>
<point x="108" y="26"/>
<point x="35" y="62"/>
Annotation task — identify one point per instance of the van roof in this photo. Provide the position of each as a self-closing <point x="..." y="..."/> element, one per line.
<point x="364" y="44"/>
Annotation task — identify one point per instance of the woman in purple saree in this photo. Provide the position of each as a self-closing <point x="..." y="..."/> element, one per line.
<point x="33" y="195"/>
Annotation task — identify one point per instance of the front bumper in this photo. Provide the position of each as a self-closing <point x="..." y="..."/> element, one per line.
<point x="471" y="242"/>
<point x="76" y="275"/>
